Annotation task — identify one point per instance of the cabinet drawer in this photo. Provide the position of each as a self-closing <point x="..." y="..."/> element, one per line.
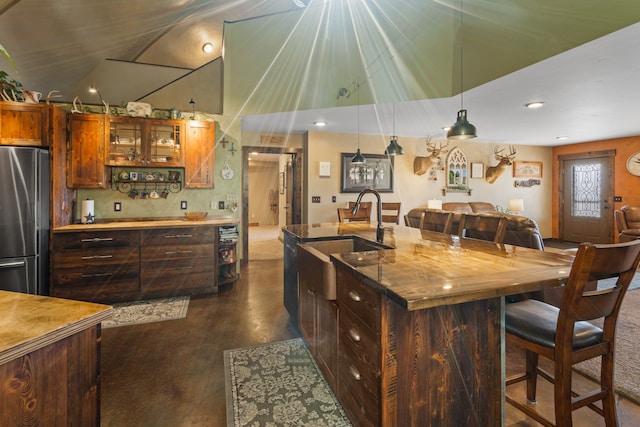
<point x="95" y="240"/>
<point x="170" y="252"/>
<point x="178" y="236"/>
<point x="108" y="258"/>
<point x="360" y="401"/>
<point x="177" y="282"/>
<point x="359" y="342"/>
<point x="359" y="298"/>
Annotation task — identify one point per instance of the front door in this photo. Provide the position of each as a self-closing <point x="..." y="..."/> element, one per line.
<point x="587" y="199"/>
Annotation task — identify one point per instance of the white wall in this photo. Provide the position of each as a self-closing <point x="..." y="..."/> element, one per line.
<point x="414" y="191"/>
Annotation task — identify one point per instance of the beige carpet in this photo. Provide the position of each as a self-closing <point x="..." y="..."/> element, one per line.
<point x="627" y="368"/>
<point x="265" y="243"/>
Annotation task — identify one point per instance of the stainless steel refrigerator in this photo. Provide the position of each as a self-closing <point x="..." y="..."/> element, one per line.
<point x="24" y="220"/>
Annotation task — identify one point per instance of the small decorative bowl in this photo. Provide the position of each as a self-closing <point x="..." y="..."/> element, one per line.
<point x="196" y="216"/>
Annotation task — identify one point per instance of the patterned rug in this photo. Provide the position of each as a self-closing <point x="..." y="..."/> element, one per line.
<point x="278" y="384"/>
<point x="155" y="310"/>
<point x="627" y="366"/>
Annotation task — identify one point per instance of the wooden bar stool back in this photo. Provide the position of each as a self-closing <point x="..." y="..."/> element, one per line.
<point x="436" y="220"/>
<point x="363" y="215"/>
<point x="391" y="212"/>
<point x="483" y="227"/>
<point x="566" y="336"/>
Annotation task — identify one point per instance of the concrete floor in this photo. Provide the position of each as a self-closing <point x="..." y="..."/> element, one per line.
<point x="172" y="374"/>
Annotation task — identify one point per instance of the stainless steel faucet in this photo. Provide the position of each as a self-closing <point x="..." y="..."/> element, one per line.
<point x="356" y="208"/>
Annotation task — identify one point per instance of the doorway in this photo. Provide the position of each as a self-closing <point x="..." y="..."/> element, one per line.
<point x="586" y="197"/>
<point x="271" y="193"/>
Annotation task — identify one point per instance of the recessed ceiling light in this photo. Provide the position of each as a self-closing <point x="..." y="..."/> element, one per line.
<point x="320" y="123"/>
<point x="536" y="104"/>
<point x="561" y="138"/>
<point x="207" y="47"/>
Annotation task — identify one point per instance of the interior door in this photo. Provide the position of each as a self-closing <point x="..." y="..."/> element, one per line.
<point x="588" y="197"/>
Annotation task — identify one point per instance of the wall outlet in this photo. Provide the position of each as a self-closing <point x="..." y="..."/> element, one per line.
<point x="183" y="204"/>
<point x="117" y="206"/>
<point x="221" y="205"/>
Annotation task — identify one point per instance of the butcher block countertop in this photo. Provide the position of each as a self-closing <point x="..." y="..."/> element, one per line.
<point x="427" y="269"/>
<point x="136" y="225"/>
<point x="31" y="322"/>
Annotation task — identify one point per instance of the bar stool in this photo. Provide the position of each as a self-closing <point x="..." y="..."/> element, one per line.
<point x="363" y="215"/>
<point x="436" y="220"/>
<point x="483" y="227"/>
<point x="566" y="336"/>
<point x="391" y="212"/>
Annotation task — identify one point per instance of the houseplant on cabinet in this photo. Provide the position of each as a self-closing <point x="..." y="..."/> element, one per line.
<point x="10" y="89"/>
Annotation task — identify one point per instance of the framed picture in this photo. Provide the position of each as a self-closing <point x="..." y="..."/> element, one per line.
<point x="523" y="169"/>
<point x="477" y="170"/>
<point x="376" y="173"/>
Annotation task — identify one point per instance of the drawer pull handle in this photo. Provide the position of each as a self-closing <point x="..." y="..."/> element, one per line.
<point x="354" y="296"/>
<point x="177" y="252"/>
<point x="97" y="257"/>
<point x="354" y="373"/>
<point x="178" y="236"/>
<point x="13" y="264"/>
<point x="354" y="334"/>
<point x="97" y="275"/>
<point x="98" y="239"/>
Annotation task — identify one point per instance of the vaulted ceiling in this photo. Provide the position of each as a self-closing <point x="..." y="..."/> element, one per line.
<point x="132" y="48"/>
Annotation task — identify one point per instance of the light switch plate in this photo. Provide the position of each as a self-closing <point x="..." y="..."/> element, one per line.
<point x="315" y="199"/>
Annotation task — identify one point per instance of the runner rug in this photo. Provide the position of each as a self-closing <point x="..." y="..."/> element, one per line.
<point x="148" y="311"/>
<point x="278" y="384"/>
<point x="627" y="358"/>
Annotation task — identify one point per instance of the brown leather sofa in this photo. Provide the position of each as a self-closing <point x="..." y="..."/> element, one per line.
<point x="521" y="231"/>
<point x="628" y="223"/>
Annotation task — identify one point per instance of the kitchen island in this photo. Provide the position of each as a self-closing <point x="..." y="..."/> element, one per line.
<point x="135" y="260"/>
<point x="420" y="326"/>
<point x="49" y="360"/>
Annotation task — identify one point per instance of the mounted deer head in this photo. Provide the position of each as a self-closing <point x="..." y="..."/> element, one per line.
<point x="504" y="160"/>
<point x="422" y="164"/>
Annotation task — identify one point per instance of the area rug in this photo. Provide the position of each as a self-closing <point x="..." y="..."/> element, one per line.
<point x="278" y="384"/>
<point x="148" y="311"/>
<point x="627" y="359"/>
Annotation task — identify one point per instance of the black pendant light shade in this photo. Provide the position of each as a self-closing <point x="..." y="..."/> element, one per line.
<point x="462" y="129"/>
<point x="358" y="158"/>
<point x="394" y="149"/>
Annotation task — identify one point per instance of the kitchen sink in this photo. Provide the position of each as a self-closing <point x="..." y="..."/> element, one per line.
<point x="314" y="261"/>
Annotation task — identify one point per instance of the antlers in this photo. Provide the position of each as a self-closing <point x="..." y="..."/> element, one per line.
<point x="509" y="157"/>
<point x="422" y="164"/>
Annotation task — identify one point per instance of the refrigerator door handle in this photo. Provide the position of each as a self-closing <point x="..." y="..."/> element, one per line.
<point x="13" y="264"/>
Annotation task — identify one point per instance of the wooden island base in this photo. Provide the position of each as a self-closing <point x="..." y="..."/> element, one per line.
<point x="49" y="361"/>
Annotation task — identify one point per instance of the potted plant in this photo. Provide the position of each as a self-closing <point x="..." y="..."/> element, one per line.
<point x="10" y="89"/>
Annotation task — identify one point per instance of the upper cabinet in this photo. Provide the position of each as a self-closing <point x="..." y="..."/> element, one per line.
<point x="24" y="124"/>
<point x="135" y="141"/>
<point x="85" y="151"/>
<point x="199" y="154"/>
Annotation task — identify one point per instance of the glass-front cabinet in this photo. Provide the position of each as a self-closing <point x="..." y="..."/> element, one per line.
<point x="135" y="141"/>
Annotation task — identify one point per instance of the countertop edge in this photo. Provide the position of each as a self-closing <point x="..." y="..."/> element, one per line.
<point x="55" y="335"/>
<point x="137" y="225"/>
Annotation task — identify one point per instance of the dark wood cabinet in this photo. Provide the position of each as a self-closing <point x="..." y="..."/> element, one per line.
<point x="199" y="154"/>
<point x="96" y="266"/>
<point x="24" y="124"/>
<point x="126" y="265"/>
<point x="137" y="141"/>
<point x="178" y="261"/>
<point x="85" y="151"/>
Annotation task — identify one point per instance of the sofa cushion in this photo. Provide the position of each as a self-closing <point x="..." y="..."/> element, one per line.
<point x="462" y="207"/>
<point x="480" y="207"/>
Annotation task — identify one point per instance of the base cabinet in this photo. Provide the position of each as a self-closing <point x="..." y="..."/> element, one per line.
<point x="129" y="265"/>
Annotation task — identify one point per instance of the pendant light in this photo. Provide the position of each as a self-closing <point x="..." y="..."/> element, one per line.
<point x="394" y="149"/>
<point x="462" y="129"/>
<point x="358" y="158"/>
